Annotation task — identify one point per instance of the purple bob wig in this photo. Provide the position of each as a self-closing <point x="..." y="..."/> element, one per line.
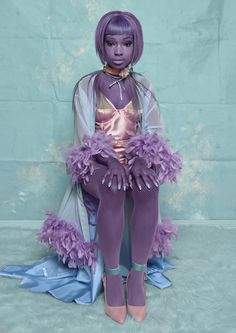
<point x="118" y="23"/>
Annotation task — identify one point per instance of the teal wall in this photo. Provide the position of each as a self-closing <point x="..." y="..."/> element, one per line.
<point x="189" y="55"/>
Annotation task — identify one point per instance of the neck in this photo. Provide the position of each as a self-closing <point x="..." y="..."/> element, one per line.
<point x="114" y="71"/>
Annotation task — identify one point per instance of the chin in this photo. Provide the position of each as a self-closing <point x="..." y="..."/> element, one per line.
<point x="120" y="66"/>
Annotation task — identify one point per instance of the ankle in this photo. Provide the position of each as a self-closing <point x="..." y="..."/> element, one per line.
<point x="112" y="271"/>
<point x="137" y="276"/>
<point x="138" y="267"/>
<point x="114" y="290"/>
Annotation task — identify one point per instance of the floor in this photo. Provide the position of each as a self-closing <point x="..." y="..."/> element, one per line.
<point x="201" y="299"/>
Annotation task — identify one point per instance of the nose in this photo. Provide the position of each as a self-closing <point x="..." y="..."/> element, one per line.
<point x="118" y="50"/>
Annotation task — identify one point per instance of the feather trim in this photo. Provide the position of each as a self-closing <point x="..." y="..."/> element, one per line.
<point x="161" y="245"/>
<point x="68" y="242"/>
<point x="156" y="151"/>
<point x="79" y="163"/>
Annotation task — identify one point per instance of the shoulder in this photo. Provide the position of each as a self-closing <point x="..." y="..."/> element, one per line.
<point x="84" y="81"/>
<point x="142" y="79"/>
<point x="145" y="84"/>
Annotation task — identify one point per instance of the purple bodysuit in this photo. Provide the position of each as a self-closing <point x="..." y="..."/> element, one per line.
<point x="121" y="123"/>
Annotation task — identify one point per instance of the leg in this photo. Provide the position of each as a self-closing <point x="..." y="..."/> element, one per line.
<point x="110" y="226"/>
<point x="143" y="225"/>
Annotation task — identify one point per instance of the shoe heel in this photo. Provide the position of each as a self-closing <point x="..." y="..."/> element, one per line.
<point x="137" y="312"/>
<point x="116" y="313"/>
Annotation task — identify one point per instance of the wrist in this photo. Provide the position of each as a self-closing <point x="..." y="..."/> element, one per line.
<point x="111" y="160"/>
<point x="136" y="162"/>
<point x="139" y="160"/>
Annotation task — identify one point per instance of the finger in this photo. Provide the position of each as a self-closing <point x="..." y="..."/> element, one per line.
<point x="119" y="178"/>
<point x="137" y="180"/>
<point x="110" y="180"/>
<point x="156" y="181"/>
<point x="130" y="180"/>
<point x="106" y="174"/>
<point x="145" y="180"/>
<point x="156" y="178"/>
<point x="122" y="181"/>
<point x="113" y="182"/>
<point x="153" y="176"/>
<point x="125" y="181"/>
<point x="153" y="179"/>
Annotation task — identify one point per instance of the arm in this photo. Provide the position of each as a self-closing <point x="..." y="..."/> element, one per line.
<point x="79" y="159"/>
<point x="150" y="145"/>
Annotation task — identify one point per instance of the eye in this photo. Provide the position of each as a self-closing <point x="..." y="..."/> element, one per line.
<point x="109" y="43"/>
<point x="128" y="43"/>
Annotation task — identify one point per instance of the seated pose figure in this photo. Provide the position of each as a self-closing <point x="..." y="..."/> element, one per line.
<point x="118" y="154"/>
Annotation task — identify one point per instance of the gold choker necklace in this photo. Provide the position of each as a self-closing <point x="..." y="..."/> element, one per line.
<point x="123" y="73"/>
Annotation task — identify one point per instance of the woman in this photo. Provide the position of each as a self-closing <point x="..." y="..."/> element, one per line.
<point x="118" y="158"/>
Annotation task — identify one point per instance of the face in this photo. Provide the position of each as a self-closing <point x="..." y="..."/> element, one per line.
<point x="119" y="49"/>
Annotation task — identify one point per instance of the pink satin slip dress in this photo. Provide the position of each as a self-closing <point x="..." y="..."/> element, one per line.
<point x="121" y="123"/>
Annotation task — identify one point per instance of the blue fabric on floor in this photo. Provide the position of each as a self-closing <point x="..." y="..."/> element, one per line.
<point x="50" y="275"/>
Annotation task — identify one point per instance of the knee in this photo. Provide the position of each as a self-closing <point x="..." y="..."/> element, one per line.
<point x="112" y="192"/>
<point x="145" y="194"/>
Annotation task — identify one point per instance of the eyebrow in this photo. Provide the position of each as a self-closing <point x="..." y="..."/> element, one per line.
<point x="108" y="37"/>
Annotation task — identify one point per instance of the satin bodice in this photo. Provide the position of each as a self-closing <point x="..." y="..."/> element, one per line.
<point x="121" y="123"/>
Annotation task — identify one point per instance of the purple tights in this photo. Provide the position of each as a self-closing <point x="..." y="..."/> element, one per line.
<point x="110" y="227"/>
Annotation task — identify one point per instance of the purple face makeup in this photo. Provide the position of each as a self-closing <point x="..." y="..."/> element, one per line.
<point x="119" y="50"/>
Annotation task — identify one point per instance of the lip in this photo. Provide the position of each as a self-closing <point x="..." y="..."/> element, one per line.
<point x="118" y="61"/>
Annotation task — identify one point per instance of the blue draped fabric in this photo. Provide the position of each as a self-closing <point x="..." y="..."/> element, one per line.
<point x="50" y="275"/>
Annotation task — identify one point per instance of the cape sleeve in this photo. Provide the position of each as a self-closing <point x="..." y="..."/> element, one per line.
<point x="150" y="143"/>
<point x="87" y="142"/>
<point x="152" y="116"/>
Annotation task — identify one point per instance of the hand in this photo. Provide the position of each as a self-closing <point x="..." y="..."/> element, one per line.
<point x="140" y="169"/>
<point x="115" y="168"/>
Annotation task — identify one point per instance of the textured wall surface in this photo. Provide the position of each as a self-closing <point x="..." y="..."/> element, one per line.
<point x="189" y="55"/>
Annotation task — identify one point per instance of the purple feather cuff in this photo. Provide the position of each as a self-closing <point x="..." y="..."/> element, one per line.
<point x="68" y="242"/>
<point x="79" y="162"/>
<point x="156" y="152"/>
<point x="161" y="245"/>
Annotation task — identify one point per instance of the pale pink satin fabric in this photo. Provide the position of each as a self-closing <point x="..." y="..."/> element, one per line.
<point x="121" y="123"/>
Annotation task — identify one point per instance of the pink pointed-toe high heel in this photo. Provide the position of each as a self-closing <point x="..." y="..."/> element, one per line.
<point x="137" y="312"/>
<point x="117" y="313"/>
